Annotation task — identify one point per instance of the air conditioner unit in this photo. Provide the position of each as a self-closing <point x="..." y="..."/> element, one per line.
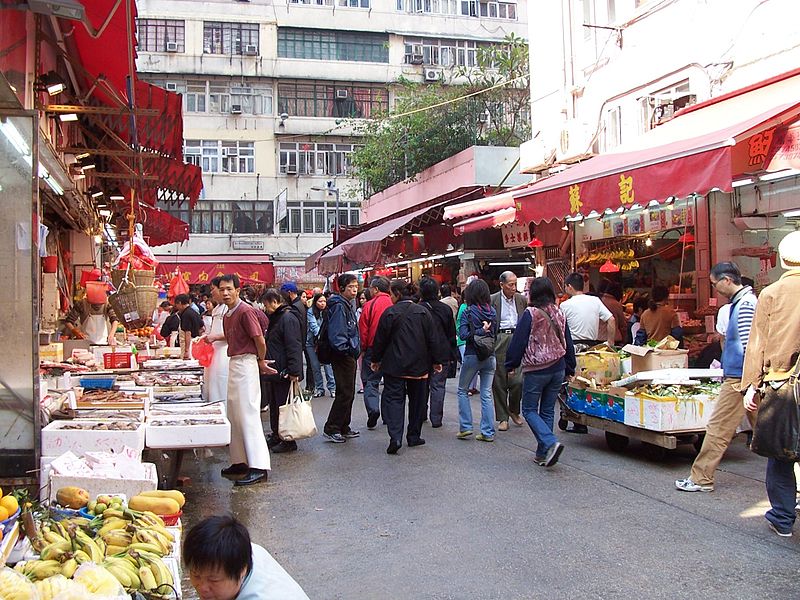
<point x="236" y="109"/>
<point x="171" y="86"/>
<point x="433" y="75"/>
<point x="416" y="59"/>
<point x="291" y="170"/>
<point x="172" y="46"/>
<point x="230" y="152"/>
<point x="250" y="50"/>
<point x="341" y="94"/>
<point x="575" y="141"/>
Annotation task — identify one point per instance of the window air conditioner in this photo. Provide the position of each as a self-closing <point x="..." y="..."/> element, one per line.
<point x="231" y="152"/>
<point x="171" y="86"/>
<point x="291" y="170"/>
<point x="433" y="75"/>
<point x="416" y="59"/>
<point x="250" y="50"/>
<point x="236" y="109"/>
<point x="172" y="46"/>
<point x="341" y="94"/>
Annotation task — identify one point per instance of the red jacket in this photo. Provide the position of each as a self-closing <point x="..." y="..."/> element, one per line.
<point x="370" y="315"/>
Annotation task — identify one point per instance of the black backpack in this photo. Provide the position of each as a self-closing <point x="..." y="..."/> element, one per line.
<point x="323" y="346"/>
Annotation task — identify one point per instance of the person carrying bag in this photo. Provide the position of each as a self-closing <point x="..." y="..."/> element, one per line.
<point x="295" y="418"/>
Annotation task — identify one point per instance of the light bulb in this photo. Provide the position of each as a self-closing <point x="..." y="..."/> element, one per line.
<point x="648" y="242"/>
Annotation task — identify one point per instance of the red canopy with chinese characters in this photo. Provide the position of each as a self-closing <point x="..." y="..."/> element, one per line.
<point x="203" y="273"/>
<point x="680" y="168"/>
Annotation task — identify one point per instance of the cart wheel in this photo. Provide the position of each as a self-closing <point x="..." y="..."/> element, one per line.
<point x="616" y="442"/>
<point x="563" y="424"/>
<point x="698" y="442"/>
<point x="654" y="452"/>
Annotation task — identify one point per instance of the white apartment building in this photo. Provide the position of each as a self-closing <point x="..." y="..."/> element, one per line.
<point x="269" y="91"/>
<point x="605" y="71"/>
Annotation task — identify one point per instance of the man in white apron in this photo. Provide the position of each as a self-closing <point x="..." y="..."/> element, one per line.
<point x="94" y="322"/>
<point x="215" y="376"/>
<point x="247" y="351"/>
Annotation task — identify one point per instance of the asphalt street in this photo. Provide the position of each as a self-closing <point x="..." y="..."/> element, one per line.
<point x="466" y="519"/>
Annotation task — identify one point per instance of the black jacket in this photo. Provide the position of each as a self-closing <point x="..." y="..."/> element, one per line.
<point x="445" y="326"/>
<point x="300" y="310"/>
<point x="283" y="343"/>
<point x="406" y="343"/>
<point x="342" y="326"/>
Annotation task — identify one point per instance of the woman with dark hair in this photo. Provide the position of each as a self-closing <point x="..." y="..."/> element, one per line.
<point x="542" y="345"/>
<point x="660" y="319"/>
<point x="446" y="331"/>
<point x="283" y="347"/>
<point x="315" y="317"/>
<point x="477" y="322"/>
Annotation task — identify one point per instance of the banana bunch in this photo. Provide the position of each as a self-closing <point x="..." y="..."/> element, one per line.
<point x="58" y="584"/>
<point x="145" y="531"/>
<point x="36" y="570"/>
<point x="141" y="570"/>
<point x="14" y="586"/>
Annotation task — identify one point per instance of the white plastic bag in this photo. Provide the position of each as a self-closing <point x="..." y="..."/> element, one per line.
<point x="295" y="418"/>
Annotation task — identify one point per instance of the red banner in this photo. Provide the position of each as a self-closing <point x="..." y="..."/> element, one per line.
<point x="203" y="273"/>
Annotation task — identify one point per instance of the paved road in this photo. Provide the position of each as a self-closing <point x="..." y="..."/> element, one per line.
<point x="465" y="519"/>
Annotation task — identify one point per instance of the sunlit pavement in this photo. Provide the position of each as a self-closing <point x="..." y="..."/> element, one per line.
<point x="465" y="519"/>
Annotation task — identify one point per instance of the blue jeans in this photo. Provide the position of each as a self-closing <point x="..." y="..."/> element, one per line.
<point x="485" y="369"/>
<point x="317" y="369"/>
<point x="539" y="395"/>
<point x="472" y="384"/>
<point x="372" y="396"/>
<point x="782" y="492"/>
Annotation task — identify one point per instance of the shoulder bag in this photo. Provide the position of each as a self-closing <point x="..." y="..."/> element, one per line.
<point x="483" y="342"/>
<point x="295" y="418"/>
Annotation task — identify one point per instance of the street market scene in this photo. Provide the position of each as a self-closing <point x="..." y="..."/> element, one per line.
<point x="399" y="299"/>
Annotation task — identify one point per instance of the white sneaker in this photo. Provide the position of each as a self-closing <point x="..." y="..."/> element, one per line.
<point x="687" y="485"/>
<point x="785" y="534"/>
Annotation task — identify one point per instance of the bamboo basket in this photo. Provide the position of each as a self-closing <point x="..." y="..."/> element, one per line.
<point x="134" y="305"/>
<point x="135" y="276"/>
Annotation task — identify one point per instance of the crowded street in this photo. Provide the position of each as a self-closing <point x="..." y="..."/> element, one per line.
<point x="467" y="520"/>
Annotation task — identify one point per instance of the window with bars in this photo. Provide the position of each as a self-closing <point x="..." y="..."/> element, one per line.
<point x="435" y="7"/>
<point x="318" y="44"/>
<point x="230" y="38"/>
<point x="318" y="217"/>
<point x="344" y="3"/>
<point x="442" y="53"/>
<point x="332" y="99"/>
<point x="227" y="216"/>
<point x="309" y="158"/>
<point x="487" y="9"/>
<point x="221" y="156"/>
<point x="154" y="34"/>
<point x="221" y="97"/>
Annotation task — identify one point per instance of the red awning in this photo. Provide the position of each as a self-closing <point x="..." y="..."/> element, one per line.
<point x="365" y="248"/>
<point x="204" y="272"/>
<point x="495" y="219"/>
<point x="679" y="168"/>
<point x="311" y="261"/>
<point x="480" y="206"/>
<point x="160" y="228"/>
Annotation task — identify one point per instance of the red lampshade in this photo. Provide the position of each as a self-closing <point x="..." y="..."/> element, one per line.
<point x="687" y="238"/>
<point x="609" y="267"/>
<point x="535" y="243"/>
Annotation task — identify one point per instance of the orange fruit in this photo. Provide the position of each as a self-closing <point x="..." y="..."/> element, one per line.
<point x="3" y="513"/>
<point x="10" y="504"/>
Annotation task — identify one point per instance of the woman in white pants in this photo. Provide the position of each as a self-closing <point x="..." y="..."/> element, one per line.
<point x="215" y="376"/>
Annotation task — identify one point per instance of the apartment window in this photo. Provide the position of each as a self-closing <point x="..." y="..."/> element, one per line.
<point x="442" y="53"/>
<point x="230" y="38"/>
<point x="613" y="129"/>
<point x="227" y="216"/>
<point x="316" y="44"/>
<point x="345" y="3"/>
<point x="226" y="97"/>
<point x="490" y="10"/>
<point x="154" y="34"/>
<point x="435" y="7"/>
<point x="217" y="156"/>
<point x="195" y="96"/>
<point x="331" y="99"/>
<point x="318" y="217"/>
<point x="309" y="158"/>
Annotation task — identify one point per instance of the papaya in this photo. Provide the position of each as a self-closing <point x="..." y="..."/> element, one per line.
<point x="72" y="497"/>
<point x="159" y="506"/>
<point x="174" y="494"/>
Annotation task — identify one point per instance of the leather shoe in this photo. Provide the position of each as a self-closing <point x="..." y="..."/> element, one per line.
<point x="416" y="442"/>
<point x="503" y="426"/>
<point x="284" y="446"/>
<point x="372" y="421"/>
<point x="254" y="476"/>
<point x="272" y="441"/>
<point x="393" y="447"/>
<point x="234" y="470"/>
<point x="518" y="421"/>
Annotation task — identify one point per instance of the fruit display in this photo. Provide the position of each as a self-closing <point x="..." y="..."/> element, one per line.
<point x="9" y="506"/>
<point x="14" y="586"/>
<point x="104" y="501"/>
<point x="72" y="497"/>
<point x="142" y="332"/>
<point x="160" y="505"/>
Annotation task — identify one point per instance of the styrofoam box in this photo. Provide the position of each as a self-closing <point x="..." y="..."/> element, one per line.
<point x="187" y="436"/>
<point x="174" y="565"/>
<point x="165" y="411"/>
<point x="56" y="440"/>
<point x="105" y="485"/>
<point x="668" y="414"/>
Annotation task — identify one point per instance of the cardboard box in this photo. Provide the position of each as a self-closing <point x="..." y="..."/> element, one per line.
<point x="668" y="414"/>
<point x="105" y="485"/>
<point x="53" y="352"/>
<point x="576" y="398"/>
<point x="196" y="435"/>
<point x="645" y="358"/>
<point x="56" y="439"/>
<point x="602" y="367"/>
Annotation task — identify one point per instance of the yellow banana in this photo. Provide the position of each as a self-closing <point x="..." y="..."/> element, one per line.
<point x="147" y="579"/>
<point x="82" y="557"/>
<point x="55" y="550"/>
<point x="112" y="550"/>
<point x="52" y="537"/>
<point x="112" y="512"/>
<point x="142" y="547"/>
<point x="92" y="550"/>
<point x="42" y="569"/>
<point x="164" y="576"/>
<point x="69" y="567"/>
<point x="120" y="574"/>
<point x="152" y="518"/>
<point x="118" y="538"/>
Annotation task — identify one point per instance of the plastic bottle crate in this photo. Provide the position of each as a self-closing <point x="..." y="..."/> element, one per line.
<point x="117" y="360"/>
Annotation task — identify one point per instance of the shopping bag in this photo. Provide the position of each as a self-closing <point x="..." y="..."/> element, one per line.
<point x="295" y="418"/>
<point x="203" y="351"/>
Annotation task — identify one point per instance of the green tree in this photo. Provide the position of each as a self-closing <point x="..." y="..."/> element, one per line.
<point x="431" y="122"/>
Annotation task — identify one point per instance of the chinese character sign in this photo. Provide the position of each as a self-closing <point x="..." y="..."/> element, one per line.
<point x="758" y="146"/>
<point x="515" y="235"/>
<point x="575" y="203"/>
<point x="626" y="195"/>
